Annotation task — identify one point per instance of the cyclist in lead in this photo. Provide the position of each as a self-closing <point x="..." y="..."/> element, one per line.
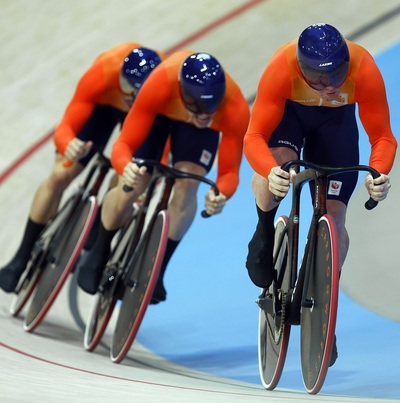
<point x="191" y="100"/>
<point x="103" y="96"/>
<point x="305" y="103"/>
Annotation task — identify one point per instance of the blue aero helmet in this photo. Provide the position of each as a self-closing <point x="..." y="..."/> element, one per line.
<point x="202" y="83"/>
<point x="136" y="67"/>
<point x="323" y="56"/>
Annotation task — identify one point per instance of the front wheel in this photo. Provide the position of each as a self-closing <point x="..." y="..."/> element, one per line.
<point x="318" y="321"/>
<point x="105" y="299"/>
<point x="61" y="257"/>
<point x="31" y="276"/>
<point x="100" y="313"/>
<point x="273" y="333"/>
<point x="147" y="261"/>
<point x="27" y="284"/>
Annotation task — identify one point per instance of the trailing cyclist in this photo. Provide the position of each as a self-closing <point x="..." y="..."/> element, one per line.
<point x="191" y="100"/>
<point x="103" y="97"/>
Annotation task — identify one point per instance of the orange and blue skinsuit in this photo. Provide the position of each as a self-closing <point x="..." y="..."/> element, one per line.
<point x="99" y="86"/>
<point x="160" y="96"/>
<point x="282" y="82"/>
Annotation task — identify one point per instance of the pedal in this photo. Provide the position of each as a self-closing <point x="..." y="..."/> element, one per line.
<point x="265" y="303"/>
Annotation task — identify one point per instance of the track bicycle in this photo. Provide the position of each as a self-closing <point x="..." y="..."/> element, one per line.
<point x="57" y="250"/>
<point x="131" y="272"/>
<point x="305" y="295"/>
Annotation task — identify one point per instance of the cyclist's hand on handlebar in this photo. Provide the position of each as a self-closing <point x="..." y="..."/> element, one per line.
<point x="77" y="149"/>
<point x="279" y="181"/>
<point x="378" y="188"/>
<point x="214" y="204"/>
<point x="133" y="175"/>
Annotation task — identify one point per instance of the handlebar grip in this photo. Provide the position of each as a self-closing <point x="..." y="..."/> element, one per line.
<point x="277" y="199"/>
<point x="370" y="204"/>
<point x="285" y="167"/>
<point x="127" y="188"/>
<point x="204" y="214"/>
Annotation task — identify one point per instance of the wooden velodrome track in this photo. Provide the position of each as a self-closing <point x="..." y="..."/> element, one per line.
<point x="45" y="47"/>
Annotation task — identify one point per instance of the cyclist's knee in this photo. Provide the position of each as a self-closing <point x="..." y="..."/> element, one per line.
<point x="61" y="176"/>
<point x="185" y="190"/>
<point x="57" y="182"/>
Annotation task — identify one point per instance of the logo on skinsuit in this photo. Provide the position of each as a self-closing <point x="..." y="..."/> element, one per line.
<point x="334" y="188"/>
<point x="205" y="157"/>
<point x="342" y="99"/>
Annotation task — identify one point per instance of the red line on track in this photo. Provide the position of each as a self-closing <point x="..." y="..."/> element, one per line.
<point x="165" y="385"/>
<point x="202" y="32"/>
<point x="23" y="157"/>
<point x="222" y="20"/>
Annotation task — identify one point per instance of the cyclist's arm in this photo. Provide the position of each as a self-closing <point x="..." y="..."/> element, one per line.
<point x="233" y="128"/>
<point x="374" y="114"/>
<point x="150" y="101"/>
<point x="273" y="91"/>
<point x="78" y="111"/>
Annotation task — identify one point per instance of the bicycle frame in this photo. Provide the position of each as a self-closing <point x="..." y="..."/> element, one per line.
<point x="170" y="175"/>
<point x="300" y="275"/>
<point x="304" y="294"/>
<point x="56" y="251"/>
<point x="134" y="264"/>
<point x="162" y="204"/>
<point x="87" y="189"/>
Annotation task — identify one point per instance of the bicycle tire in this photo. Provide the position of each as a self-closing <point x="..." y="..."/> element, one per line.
<point x="318" y="323"/>
<point x="273" y="334"/>
<point x="104" y="301"/>
<point x="135" y="300"/>
<point x="26" y="285"/>
<point x="62" y="255"/>
<point x="30" y="277"/>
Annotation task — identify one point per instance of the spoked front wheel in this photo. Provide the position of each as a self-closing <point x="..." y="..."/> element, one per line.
<point x="136" y="297"/>
<point x="61" y="257"/>
<point x="273" y="333"/>
<point x="318" y="322"/>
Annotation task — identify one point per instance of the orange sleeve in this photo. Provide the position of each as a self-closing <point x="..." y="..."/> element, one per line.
<point x="140" y="119"/>
<point x="273" y="90"/>
<point x="370" y="94"/>
<point x="90" y="87"/>
<point x="234" y="124"/>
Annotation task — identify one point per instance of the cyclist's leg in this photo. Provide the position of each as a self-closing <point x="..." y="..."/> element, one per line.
<point x="285" y="144"/>
<point x="95" y="229"/>
<point x="333" y="140"/>
<point x="43" y="208"/>
<point x="193" y="150"/>
<point x="182" y="209"/>
<point x="49" y="193"/>
<point x="337" y="210"/>
<point x="117" y="207"/>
